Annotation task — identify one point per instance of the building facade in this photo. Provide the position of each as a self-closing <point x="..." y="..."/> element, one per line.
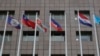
<point x="59" y="10"/>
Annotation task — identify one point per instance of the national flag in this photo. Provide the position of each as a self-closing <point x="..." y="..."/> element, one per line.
<point x="28" y="22"/>
<point x="41" y="25"/>
<point x="97" y="19"/>
<point x="84" y="20"/>
<point x="13" y="22"/>
<point x="55" y="25"/>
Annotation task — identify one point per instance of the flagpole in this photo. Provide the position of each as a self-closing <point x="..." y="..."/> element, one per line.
<point x="96" y="39"/>
<point x="50" y="36"/>
<point x="20" y="36"/>
<point x="34" y="44"/>
<point x="66" y="48"/>
<point x="4" y="33"/>
<point x="80" y="38"/>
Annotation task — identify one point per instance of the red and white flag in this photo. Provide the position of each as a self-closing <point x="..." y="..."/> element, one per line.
<point x="41" y="26"/>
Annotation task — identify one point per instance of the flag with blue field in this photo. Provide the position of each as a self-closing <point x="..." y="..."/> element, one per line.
<point x="97" y="19"/>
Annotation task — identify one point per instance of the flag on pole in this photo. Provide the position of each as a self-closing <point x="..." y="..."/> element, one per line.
<point x="84" y="20"/>
<point x="4" y="33"/>
<point x="41" y="25"/>
<point x="56" y="25"/>
<point x="28" y="22"/>
<point x="13" y="22"/>
<point x="97" y="19"/>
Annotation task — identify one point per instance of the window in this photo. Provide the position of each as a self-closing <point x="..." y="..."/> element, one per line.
<point x="86" y="55"/>
<point x="85" y="12"/>
<point x="57" y="36"/>
<point x="3" y="14"/>
<point x="5" y="55"/>
<point x="85" y="35"/>
<point x="29" y="35"/>
<point x="57" y="54"/>
<point x="28" y="55"/>
<point x="7" y="35"/>
<point x="31" y="14"/>
<point x="57" y="14"/>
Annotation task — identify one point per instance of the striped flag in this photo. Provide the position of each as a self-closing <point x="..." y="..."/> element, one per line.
<point x="41" y="26"/>
<point x="84" y="20"/>
<point x="55" y="25"/>
<point x="13" y="22"/>
<point x="28" y="22"/>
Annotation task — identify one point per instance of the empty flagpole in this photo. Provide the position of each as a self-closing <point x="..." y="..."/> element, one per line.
<point x="20" y="36"/>
<point x="4" y="33"/>
<point x="96" y="39"/>
<point x="80" y="38"/>
<point x="34" y="44"/>
<point x="66" y="48"/>
<point x="50" y="35"/>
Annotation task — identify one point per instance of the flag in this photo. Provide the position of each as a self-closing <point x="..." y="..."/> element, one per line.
<point x="41" y="26"/>
<point x="97" y="19"/>
<point x="28" y="22"/>
<point x="13" y="22"/>
<point x="55" y="25"/>
<point x="84" y="20"/>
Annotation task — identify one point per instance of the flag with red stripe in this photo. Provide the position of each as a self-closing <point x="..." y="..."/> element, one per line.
<point x="28" y="22"/>
<point x="41" y="25"/>
<point x="56" y="25"/>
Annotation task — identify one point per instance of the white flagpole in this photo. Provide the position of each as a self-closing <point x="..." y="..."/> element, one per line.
<point x="50" y="36"/>
<point x="80" y="38"/>
<point x="34" y="44"/>
<point x="96" y="39"/>
<point x="3" y="38"/>
<point x="66" y="48"/>
<point x="20" y="37"/>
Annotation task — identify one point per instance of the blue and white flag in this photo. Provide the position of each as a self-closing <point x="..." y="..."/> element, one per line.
<point x="13" y="22"/>
<point x="97" y="19"/>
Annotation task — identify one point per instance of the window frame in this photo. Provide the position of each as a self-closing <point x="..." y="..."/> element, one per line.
<point x="30" y="33"/>
<point x="58" y="33"/>
<point x="84" y="33"/>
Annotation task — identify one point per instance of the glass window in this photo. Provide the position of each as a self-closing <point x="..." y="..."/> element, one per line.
<point x="5" y="54"/>
<point x="57" y="14"/>
<point x="3" y="14"/>
<point x="29" y="36"/>
<point x="8" y="36"/>
<point x="86" y="55"/>
<point x="28" y="55"/>
<point x="85" y="35"/>
<point x="31" y="14"/>
<point x="57" y="54"/>
<point x="57" y="36"/>
<point x="85" y="12"/>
